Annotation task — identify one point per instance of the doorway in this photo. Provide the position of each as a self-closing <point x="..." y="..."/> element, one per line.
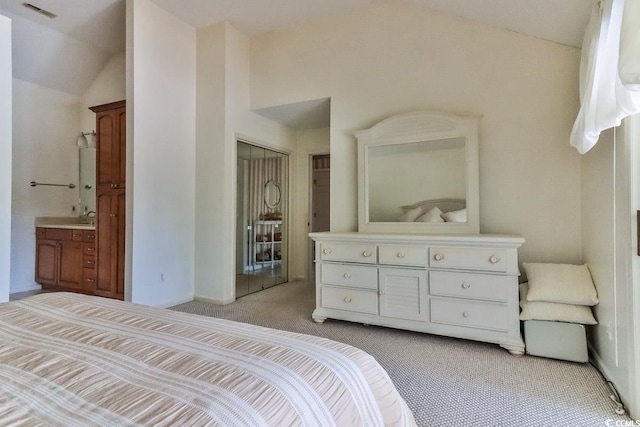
<point x="320" y="199"/>
<point x="261" y="218"/>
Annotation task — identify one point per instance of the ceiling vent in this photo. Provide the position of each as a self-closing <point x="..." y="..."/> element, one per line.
<point x="39" y="10"/>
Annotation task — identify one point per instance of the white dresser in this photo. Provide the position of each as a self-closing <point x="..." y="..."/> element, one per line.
<point x="463" y="286"/>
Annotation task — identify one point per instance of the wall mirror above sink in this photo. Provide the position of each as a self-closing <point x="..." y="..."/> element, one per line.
<point x="418" y="173"/>
<point x="87" y="188"/>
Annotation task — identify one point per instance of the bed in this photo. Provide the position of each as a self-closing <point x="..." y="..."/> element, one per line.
<point x="70" y="359"/>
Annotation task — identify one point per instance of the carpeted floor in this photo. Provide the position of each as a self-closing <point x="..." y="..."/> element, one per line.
<point x="445" y="381"/>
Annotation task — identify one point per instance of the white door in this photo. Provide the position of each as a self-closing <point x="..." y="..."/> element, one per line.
<point x="403" y="293"/>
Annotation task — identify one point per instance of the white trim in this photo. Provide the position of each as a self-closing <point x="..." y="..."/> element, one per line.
<point x="213" y="300"/>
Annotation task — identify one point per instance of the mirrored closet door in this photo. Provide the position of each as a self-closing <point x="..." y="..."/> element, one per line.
<point x="261" y="218"/>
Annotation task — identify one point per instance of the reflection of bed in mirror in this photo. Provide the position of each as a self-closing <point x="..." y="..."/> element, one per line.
<point x="435" y="210"/>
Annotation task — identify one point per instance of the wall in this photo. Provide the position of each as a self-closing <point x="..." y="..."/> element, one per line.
<point x="607" y="222"/>
<point x="223" y="116"/>
<point x="45" y="129"/>
<point x="394" y="57"/>
<point x="308" y="142"/>
<point x="108" y="86"/>
<point x="161" y="115"/>
<point x="5" y="156"/>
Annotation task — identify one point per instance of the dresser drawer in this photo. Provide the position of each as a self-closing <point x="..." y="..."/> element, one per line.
<point x="470" y="314"/>
<point x="473" y="286"/>
<point x="350" y="300"/>
<point x="403" y="255"/>
<point x="349" y="253"/>
<point x="357" y="276"/>
<point x="468" y="258"/>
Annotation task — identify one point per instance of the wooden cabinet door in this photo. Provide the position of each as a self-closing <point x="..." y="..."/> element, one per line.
<point x="110" y="143"/>
<point x="110" y="243"/>
<point x="46" y="261"/>
<point x="70" y="264"/>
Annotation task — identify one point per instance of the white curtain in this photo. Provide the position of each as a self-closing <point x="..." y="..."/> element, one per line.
<point x="610" y="50"/>
<point x="259" y="172"/>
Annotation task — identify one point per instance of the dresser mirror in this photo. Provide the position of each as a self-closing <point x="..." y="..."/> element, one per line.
<point x="418" y="173"/>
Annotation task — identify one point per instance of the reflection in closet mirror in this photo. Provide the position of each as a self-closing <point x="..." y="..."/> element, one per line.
<point x="261" y="218"/>
<point x="418" y="173"/>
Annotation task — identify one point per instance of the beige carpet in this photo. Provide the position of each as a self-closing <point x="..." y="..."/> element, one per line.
<point x="445" y="381"/>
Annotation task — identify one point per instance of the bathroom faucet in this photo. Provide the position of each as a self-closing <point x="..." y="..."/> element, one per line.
<point x="90" y="217"/>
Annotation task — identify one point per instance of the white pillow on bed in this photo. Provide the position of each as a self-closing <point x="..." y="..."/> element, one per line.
<point x="432" y="216"/>
<point x="411" y="215"/>
<point x="561" y="283"/>
<point x="555" y="312"/>
<point x="455" y="216"/>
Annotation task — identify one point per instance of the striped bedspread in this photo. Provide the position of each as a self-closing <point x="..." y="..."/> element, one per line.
<point x="75" y="360"/>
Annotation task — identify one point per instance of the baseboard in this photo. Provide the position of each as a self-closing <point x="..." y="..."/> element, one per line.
<point x="214" y="301"/>
<point x="602" y="367"/>
<point x="26" y="288"/>
<point x="172" y="303"/>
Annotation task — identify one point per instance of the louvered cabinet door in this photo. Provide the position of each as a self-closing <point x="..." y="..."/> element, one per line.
<point x="403" y="293"/>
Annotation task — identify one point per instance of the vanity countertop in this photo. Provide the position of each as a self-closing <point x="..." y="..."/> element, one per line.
<point x="62" y="222"/>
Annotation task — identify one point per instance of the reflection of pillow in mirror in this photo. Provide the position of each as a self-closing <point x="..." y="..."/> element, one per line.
<point x="455" y="216"/>
<point x="410" y="215"/>
<point x="432" y="216"/>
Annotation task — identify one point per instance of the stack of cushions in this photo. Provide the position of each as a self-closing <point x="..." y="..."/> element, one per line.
<point x="433" y="215"/>
<point x="558" y="292"/>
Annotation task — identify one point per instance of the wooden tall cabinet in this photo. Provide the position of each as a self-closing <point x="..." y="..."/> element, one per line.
<point x="110" y="198"/>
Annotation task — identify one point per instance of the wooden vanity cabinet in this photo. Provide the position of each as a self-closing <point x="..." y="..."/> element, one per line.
<point x="110" y="198"/>
<point x="60" y="258"/>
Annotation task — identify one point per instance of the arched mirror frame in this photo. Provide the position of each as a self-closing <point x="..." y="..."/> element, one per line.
<point x="410" y="128"/>
<point x="272" y="194"/>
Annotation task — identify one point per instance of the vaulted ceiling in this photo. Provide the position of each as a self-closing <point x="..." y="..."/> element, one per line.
<point x="67" y="52"/>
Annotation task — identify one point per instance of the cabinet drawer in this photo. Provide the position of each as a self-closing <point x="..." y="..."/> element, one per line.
<point x="89" y="261"/>
<point x="76" y="235"/>
<point x="350" y="300"/>
<point x="473" y="286"/>
<point x="357" y="276"/>
<point x="468" y="258"/>
<point x="58" y="233"/>
<point x="349" y="253"/>
<point x="470" y="314"/>
<point x="88" y="279"/>
<point x="88" y="235"/>
<point x="88" y="249"/>
<point x="403" y="255"/>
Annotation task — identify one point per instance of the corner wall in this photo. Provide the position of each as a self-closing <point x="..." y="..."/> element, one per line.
<point x="45" y="130"/>
<point x="5" y="156"/>
<point x="223" y="116"/>
<point x="161" y="116"/>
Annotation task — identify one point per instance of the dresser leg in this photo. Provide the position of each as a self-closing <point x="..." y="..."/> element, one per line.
<point x="318" y="319"/>
<point x="516" y="350"/>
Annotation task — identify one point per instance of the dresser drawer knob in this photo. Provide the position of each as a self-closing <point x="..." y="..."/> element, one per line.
<point x="466" y="285"/>
<point x="366" y="254"/>
<point x="494" y="259"/>
<point x="400" y="254"/>
<point x="465" y="314"/>
<point x="438" y="257"/>
<point x="347" y="300"/>
<point x="347" y="275"/>
<point x="326" y="251"/>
